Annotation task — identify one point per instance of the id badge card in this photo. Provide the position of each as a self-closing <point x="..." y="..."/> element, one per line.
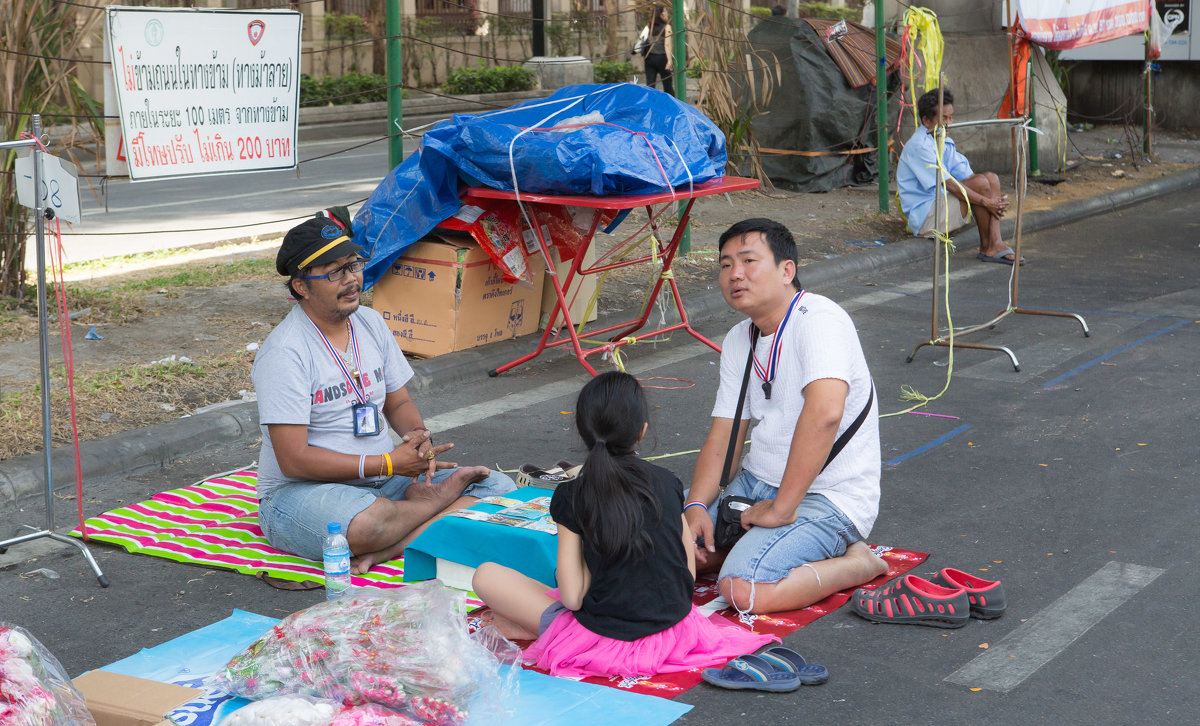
<point x="366" y="419"/>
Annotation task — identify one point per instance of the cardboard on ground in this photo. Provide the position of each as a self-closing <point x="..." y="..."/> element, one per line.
<point x="60" y="188"/>
<point x="579" y="295"/>
<point x="120" y="700"/>
<point x="445" y="294"/>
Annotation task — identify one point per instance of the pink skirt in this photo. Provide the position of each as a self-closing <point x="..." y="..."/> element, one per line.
<point x="571" y="650"/>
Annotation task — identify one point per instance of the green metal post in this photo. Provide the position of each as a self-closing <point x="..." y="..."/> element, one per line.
<point x="395" y="80"/>
<point x="1034" y="168"/>
<point x="881" y="106"/>
<point x="679" y="34"/>
<point x="1148" y="110"/>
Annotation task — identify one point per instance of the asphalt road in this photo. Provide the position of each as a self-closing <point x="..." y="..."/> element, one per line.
<point x="1072" y="480"/>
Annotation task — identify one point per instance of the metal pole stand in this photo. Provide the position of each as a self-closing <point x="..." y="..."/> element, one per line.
<point x="936" y="338"/>
<point x="42" y="214"/>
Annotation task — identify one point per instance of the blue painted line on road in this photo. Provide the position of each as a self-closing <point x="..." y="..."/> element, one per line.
<point x="1106" y="356"/>
<point x="921" y="450"/>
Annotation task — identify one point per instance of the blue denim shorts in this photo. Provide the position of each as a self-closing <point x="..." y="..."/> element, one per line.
<point x="294" y="516"/>
<point x="769" y="554"/>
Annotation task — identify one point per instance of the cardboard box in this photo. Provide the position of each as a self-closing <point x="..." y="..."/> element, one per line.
<point x="583" y="287"/>
<point x="118" y="700"/>
<point x="446" y="294"/>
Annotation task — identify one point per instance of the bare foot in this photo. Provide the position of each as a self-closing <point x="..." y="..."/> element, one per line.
<point x="360" y="564"/>
<point x="1002" y="251"/>
<point x="445" y="492"/>
<point x="873" y="565"/>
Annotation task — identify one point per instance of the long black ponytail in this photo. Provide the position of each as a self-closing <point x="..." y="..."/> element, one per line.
<point x="614" y="485"/>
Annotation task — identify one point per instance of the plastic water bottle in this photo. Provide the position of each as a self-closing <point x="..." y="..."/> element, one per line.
<point x="337" y="562"/>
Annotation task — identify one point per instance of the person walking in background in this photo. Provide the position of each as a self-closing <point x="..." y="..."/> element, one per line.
<point x="626" y="563"/>
<point x="658" y="59"/>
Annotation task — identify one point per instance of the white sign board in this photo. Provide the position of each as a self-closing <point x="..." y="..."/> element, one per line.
<point x="205" y="91"/>
<point x="60" y="187"/>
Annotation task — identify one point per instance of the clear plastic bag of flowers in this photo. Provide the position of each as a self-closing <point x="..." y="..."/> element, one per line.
<point x="405" y="649"/>
<point x="34" y="688"/>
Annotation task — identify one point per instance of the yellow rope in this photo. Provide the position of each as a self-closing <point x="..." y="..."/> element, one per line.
<point x="1060" y="112"/>
<point x="922" y="24"/>
<point x="907" y="392"/>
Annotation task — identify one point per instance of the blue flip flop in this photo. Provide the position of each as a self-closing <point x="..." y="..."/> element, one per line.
<point x="750" y="672"/>
<point x="788" y="660"/>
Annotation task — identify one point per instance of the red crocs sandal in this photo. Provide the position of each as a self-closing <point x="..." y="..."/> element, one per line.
<point x="911" y="599"/>
<point x="985" y="596"/>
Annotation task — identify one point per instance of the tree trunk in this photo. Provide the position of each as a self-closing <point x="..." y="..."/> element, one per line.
<point x="611" y="21"/>
<point x="377" y="27"/>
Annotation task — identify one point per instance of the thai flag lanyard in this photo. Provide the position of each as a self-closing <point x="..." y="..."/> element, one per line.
<point x="351" y="376"/>
<point x="768" y="374"/>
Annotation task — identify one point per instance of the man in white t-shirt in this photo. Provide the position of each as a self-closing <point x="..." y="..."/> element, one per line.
<point x="810" y="393"/>
<point x="330" y="381"/>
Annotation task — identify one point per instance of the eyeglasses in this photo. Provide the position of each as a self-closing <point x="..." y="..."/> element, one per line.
<point x="339" y="273"/>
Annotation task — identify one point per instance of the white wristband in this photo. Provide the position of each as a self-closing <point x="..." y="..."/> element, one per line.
<point x="361" y="461"/>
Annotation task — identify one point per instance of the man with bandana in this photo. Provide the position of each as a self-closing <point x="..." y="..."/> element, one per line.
<point x="330" y="381"/>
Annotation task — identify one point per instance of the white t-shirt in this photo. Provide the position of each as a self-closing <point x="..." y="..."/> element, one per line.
<point x="819" y="341"/>
<point x="299" y="382"/>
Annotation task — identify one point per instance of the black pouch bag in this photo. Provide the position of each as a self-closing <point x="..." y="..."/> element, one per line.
<point x="729" y="521"/>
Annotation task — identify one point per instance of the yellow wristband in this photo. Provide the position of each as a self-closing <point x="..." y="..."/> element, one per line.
<point x="388" y="460"/>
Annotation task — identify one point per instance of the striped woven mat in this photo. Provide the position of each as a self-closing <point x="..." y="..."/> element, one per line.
<point x="215" y="522"/>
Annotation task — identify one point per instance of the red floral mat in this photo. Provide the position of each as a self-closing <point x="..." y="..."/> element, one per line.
<point x="670" y="685"/>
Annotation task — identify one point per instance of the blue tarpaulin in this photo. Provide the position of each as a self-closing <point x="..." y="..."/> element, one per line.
<point x="612" y="139"/>
<point x="541" y="700"/>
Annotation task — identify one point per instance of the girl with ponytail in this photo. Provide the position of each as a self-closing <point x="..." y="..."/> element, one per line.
<point x="626" y="563"/>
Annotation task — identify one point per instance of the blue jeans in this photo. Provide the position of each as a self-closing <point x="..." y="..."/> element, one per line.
<point x="769" y="554"/>
<point x="294" y="516"/>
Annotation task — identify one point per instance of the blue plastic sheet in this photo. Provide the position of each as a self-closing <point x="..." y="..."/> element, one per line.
<point x="541" y="700"/>
<point x="613" y="139"/>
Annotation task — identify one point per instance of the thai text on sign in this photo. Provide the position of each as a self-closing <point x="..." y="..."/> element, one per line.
<point x="205" y="91"/>
<point x="1062" y="24"/>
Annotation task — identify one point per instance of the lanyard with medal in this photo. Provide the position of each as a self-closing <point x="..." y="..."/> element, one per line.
<point x="767" y="375"/>
<point x="366" y="414"/>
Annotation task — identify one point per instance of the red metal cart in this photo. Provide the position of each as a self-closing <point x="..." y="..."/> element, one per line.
<point x="554" y="335"/>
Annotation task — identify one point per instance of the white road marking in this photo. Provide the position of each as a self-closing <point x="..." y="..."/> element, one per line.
<point x="568" y="387"/>
<point x="883" y="297"/>
<point x="1039" y="640"/>
<point x="690" y="349"/>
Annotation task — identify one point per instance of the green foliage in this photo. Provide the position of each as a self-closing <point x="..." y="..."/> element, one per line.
<point x="345" y="27"/>
<point x="501" y="79"/>
<point x="827" y="11"/>
<point x="1060" y="68"/>
<point x="343" y="90"/>
<point x="610" y="72"/>
<point x="760" y="13"/>
<point x="558" y="32"/>
<point x="41" y="79"/>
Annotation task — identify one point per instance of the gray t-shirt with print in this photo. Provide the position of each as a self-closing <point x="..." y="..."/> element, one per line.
<point x="299" y="382"/>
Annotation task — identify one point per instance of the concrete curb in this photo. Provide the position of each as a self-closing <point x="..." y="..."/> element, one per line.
<point x="22" y="478"/>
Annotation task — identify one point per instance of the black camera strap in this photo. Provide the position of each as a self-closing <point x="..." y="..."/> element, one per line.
<point x="850" y="430"/>
<point x="737" y="414"/>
